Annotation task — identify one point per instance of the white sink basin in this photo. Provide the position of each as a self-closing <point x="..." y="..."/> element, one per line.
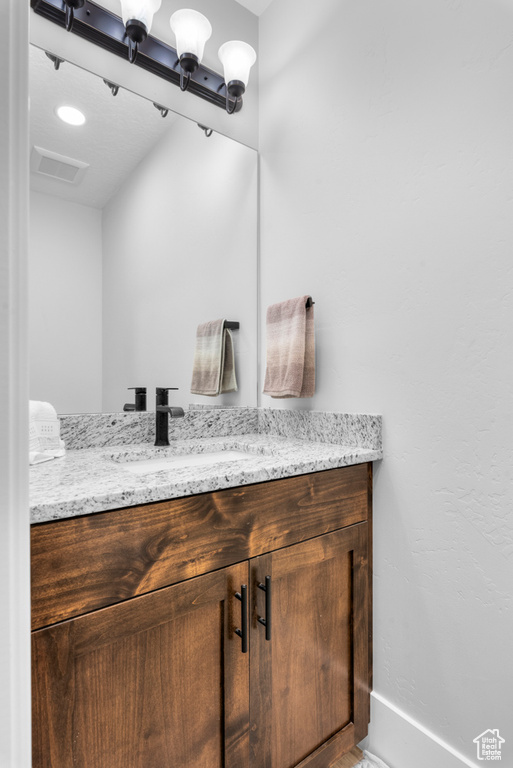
<point x="160" y="463"/>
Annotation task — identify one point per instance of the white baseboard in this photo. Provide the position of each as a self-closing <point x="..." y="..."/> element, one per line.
<point x="402" y="742"/>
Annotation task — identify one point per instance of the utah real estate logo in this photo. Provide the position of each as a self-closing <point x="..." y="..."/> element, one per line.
<point x="489" y="745"/>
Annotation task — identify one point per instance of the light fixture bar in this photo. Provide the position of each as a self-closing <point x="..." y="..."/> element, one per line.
<point x="107" y="30"/>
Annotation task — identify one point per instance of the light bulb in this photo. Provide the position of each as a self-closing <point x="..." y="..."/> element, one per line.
<point x="237" y="59"/>
<point x="142" y="12"/>
<point x="192" y="30"/>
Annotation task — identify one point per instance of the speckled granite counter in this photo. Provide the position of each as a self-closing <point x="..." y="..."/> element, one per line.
<point x="95" y="480"/>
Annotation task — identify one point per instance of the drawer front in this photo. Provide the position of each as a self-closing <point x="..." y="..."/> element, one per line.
<point x="82" y="564"/>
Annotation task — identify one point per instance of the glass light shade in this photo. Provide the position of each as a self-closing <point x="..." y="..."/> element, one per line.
<point x="192" y="30"/>
<point x="142" y="10"/>
<point x="237" y="59"/>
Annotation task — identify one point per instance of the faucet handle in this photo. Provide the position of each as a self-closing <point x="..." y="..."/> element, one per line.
<point x="162" y="394"/>
<point x="140" y="400"/>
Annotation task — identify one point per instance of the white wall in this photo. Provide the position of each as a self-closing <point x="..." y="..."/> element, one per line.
<point x="65" y="304"/>
<point x="179" y="245"/>
<point x="386" y="175"/>
<point x="230" y="21"/>
<point x="15" y="745"/>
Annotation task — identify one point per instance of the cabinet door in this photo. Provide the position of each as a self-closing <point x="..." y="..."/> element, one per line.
<point x="158" y="681"/>
<point x="309" y="682"/>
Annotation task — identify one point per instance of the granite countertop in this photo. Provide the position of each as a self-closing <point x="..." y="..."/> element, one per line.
<point x="94" y="479"/>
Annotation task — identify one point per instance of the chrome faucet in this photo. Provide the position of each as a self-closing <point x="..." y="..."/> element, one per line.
<point x="162" y="412"/>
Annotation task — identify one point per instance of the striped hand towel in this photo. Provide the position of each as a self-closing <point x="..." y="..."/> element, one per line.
<point x="214" y="364"/>
<point x="290" y="370"/>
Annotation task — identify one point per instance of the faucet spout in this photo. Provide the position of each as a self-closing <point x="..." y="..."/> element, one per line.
<point x="174" y="411"/>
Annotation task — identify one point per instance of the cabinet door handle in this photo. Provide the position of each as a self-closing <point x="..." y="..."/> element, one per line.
<point x="243" y="633"/>
<point x="267" y="621"/>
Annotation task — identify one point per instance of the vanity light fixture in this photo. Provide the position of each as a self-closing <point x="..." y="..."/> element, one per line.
<point x="237" y="59"/>
<point x="114" y="89"/>
<point x="71" y="7"/>
<point x="163" y="111"/>
<point x="55" y="60"/>
<point x="130" y="35"/>
<point x="70" y="115"/>
<point x="206" y="130"/>
<point x="138" y="18"/>
<point x="191" y="30"/>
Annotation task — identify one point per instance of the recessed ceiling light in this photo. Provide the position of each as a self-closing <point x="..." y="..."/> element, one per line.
<point x="70" y="115"/>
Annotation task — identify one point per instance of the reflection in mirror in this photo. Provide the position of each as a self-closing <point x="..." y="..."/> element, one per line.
<point x="141" y="228"/>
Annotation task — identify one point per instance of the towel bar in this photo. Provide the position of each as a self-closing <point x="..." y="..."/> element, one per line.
<point x="309" y="302"/>
<point x="231" y="325"/>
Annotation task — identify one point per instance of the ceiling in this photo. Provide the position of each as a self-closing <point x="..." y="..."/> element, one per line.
<point x="118" y="134"/>
<point x="256" y="6"/>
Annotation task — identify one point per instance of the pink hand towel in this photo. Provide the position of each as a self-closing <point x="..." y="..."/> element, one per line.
<point x="290" y="370"/>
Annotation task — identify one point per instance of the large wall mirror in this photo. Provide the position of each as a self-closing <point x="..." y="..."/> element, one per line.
<point x="141" y="228"/>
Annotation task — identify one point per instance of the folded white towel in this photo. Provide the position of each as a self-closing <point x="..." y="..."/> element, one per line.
<point x="35" y="457"/>
<point x="370" y="761"/>
<point x="44" y="433"/>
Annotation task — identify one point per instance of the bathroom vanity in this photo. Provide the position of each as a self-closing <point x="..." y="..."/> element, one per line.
<point x="185" y="615"/>
<point x="223" y="629"/>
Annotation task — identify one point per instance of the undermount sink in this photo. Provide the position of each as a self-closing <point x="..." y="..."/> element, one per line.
<point x="178" y="461"/>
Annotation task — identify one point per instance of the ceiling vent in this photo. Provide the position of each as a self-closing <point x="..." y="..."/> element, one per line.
<point x="57" y="166"/>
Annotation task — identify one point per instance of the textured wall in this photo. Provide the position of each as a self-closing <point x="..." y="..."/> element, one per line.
<point x="387" y="186"/>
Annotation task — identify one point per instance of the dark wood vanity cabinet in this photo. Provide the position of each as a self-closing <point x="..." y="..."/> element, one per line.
<point x="309" y="684"/>
<point x="154" y="681"/>
<point x="136" y="659"/>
